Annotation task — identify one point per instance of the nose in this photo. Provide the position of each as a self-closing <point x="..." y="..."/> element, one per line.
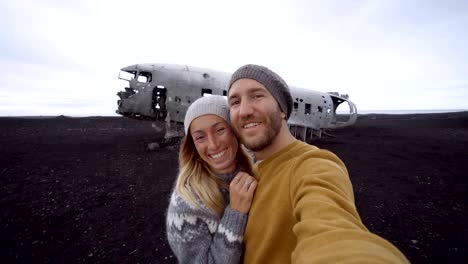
<point x="245" y="109"/>
<point x="212" y="142"/>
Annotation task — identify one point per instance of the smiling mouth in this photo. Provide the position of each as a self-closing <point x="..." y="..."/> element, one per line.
<point x="250" y="125"/>
<point x="217" y="155"/>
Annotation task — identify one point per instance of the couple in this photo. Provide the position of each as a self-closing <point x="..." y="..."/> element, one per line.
<point x="294" y="205"/>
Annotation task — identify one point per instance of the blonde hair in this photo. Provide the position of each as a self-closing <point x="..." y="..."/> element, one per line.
<point x="197" y="184"/>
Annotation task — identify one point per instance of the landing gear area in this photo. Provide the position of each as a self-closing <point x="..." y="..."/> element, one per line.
<point x="306" y="134"/>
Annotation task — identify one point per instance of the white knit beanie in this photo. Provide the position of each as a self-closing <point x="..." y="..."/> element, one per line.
<point x="210" y="105"/>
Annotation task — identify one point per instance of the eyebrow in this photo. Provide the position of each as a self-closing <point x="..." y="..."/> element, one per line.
<point x="201" y="131"/>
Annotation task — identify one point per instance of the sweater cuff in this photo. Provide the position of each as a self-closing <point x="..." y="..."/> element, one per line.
<point x="235" y="221"/>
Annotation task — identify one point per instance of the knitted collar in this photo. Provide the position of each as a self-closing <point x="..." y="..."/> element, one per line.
<point x="227" y="177"/>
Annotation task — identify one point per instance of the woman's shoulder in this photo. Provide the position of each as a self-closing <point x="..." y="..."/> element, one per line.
<point x="179" y="204"/>
<point x="183" y="213"/>
<point x="177" y="201"/>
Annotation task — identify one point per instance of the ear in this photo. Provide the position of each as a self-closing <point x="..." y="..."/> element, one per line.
<point x="283" y="115"/>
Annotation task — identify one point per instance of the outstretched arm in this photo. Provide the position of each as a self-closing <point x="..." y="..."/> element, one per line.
<point x="329" y="228"/>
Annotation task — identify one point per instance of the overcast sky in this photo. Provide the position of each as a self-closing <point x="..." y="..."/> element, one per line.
<point x="63" y="57"/>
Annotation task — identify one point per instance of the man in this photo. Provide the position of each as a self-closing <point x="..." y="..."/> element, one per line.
<point x="303" y="210"/>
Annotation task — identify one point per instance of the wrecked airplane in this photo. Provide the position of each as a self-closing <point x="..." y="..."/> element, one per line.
<point x="163" y="92"/>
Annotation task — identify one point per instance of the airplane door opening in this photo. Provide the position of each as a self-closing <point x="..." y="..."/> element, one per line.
<point x="158" y="103"/>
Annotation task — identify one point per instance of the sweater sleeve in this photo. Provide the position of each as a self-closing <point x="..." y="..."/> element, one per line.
<point x="195" y="235"/>
<point x="329" y="229"/>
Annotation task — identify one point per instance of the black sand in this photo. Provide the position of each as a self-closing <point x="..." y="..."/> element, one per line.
<point x="86" y="190"/>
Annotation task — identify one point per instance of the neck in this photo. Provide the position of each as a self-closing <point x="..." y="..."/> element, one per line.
<point x="227" y="170"/>
<point x="282" y="140"/>
<point x="228" y="174"/>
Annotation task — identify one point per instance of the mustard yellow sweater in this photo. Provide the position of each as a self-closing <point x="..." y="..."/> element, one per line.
<point x="304" y="212"/>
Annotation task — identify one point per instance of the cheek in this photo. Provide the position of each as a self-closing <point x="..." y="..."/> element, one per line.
<point x="233" y="116"/>
<point x="234" y="144"/>
<point x="199" y="148"/>
<point x="271" y="111"/>
<point x="267" y="105"/>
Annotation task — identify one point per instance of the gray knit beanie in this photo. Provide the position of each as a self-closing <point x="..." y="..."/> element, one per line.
<point x="272" y="81"/>
<point x="214" y="105"/>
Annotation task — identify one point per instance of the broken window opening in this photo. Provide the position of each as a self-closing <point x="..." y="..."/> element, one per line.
<point x="206" y="92"/>
<point x="224" y="93"/>
<point x="296" y="106"/>
<point x="127" y="76"/>
<point x="144" y="77"/>
<point x="308" y="108"/>
<point x="319" y="109"/>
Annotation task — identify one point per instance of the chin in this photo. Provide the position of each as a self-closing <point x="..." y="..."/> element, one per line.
<point x="223" y="168"/>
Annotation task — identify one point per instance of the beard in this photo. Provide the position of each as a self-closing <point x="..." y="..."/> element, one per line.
<point x="272" y="122"/>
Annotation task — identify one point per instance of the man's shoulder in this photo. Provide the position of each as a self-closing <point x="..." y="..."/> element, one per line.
<point x="316" y="166"/>
<point x="299" y="155"/>
<point x="307" y="151"/>
<point x="311" y="157"/>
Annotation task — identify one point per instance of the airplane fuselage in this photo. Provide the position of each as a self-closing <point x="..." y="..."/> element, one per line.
<point x="165" y="91"/>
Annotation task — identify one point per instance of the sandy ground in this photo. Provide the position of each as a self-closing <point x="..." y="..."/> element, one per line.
<point x="86" y="190"/>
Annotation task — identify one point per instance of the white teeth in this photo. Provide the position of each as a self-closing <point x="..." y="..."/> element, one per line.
<point x="217" y="155"/>
<point x="249" y="125"/>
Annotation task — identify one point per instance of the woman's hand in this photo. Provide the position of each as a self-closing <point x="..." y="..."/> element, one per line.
<point x="241" y="191"/>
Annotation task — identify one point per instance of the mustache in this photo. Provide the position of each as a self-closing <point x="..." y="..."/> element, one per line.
<point x="249" y="119"/>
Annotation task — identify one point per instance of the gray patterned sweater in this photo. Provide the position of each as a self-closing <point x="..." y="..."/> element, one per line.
<point x="197" y="235"/>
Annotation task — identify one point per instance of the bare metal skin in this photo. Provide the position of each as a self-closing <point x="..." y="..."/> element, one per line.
<point x="163" y="92"/>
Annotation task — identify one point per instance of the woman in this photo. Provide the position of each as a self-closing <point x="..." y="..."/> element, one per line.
<point x="208" y="209"/>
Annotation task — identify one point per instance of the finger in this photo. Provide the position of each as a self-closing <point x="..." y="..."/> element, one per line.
<point x="239" y="176"/>
<point x="239" y="180"/>
<point x="235" y="181"/>
<point x="248" y="183"/>
<point x="252" y="188"/>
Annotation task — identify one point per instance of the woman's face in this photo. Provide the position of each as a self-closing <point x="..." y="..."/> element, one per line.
<point x="215" y="142"/>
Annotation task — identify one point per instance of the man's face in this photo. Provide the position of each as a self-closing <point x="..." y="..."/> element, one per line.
<point x="255" y="114"/>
